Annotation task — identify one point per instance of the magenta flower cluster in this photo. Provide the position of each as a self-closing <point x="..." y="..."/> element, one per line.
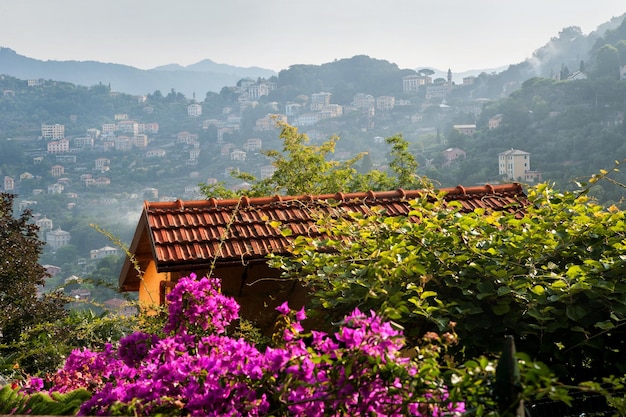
<point x="198" y="370"/>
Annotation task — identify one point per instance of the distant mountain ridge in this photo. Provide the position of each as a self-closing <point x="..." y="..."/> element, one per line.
<point x="569" y="49"/>
<point x="195" y="79"/>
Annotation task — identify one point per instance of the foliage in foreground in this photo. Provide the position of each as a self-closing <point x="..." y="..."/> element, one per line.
<point x="13" y="401"/>
<point x="552" y="275"/>
<point x="197" y="369"/>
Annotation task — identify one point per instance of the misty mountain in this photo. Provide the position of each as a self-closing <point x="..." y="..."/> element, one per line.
<point x="571" y="50"/>
<point x="197" y="78"/>
<point x="210" y="66"/>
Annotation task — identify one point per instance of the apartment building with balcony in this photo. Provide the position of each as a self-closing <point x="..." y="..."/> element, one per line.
<point x="53" y="132"/>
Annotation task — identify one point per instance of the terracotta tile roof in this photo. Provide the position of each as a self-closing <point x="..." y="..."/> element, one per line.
<point x="184" y="235"/>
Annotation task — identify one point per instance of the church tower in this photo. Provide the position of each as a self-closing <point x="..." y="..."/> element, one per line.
<point x="449" y="79"/>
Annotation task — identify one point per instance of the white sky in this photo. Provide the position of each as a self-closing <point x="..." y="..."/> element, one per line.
<point x="274" y="34"/>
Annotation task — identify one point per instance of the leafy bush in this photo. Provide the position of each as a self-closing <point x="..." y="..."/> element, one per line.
<point x="551" y="276"/>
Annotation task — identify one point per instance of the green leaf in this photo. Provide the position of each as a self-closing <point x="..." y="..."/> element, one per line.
<point x="427" y="294"/>
<point x="575" y="312"/>
<point x="605" y="325"/>
<point x="500" y="309"/>
<point x="538" y="290"/>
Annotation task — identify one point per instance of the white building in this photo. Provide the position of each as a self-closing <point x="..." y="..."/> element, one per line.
<point x="513" y="164"/>
<point x="412" y="83"/>
<point x="9" y="183"/>
<point x="58" y="146"/>
<point x="103" y="252"/>
<point x="385" y="102"/>
<point x="57" y="238"/>
<point x="54" y="132"/>
<point x="319" y="100"/>
<point x="194" y="110"/>
<point x="102" y="164"/>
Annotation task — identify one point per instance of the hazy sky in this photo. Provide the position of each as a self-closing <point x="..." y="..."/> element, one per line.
<point x="274" y="34"/>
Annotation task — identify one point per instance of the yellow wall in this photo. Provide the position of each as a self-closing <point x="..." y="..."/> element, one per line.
<point x="149" y="286"/>
<point x="256" y="287"/>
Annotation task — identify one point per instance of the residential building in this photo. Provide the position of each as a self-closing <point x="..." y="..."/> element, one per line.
<point x="9" y="183"/>
<point x="58" y="238"/>
<point x="102" y="164"/>
<point x="307" y="119"/>
<point x="103" y="252"/>
<point x="129" y="127"/>
<point x="513" y="164"/>
<point x="54" y="132"/>
<point x="578" y="75"/>
<point x="57" y="170"/>
<point x="238" y="155"/>
<point x="192" y="190"/>
<point x="187" y="138"/>
<point x="140" y="141"/>
<point x="533" y="176"/>
<point x="58" y="146"/>
<point x="436" y="91"/>
<point x="257" y="90"/>
<point x="150" y="193"/>
<point x="93" y="133"/>
<point x="385" y="103"/>
<point x="495" y="121"/>
<point x="194" y="110"/>
<point x="66" y="159"/>
<point x="101" y="182"/>
<point x="292" y="109"/>
<point x="469" y="80"/>
<point x="363" y="101"/>
<point x="452" y="154"/>
<point x="120" y="306"/>
<point x="174" y="238"/>
<point x="109" y="128"/>
<point x="412" y="83"/>
<point x="267" y="171"/>
<point x="194" y="154"/>
<point x="212" y="122"/>
<point x="465" y="129"/>
<point x="44" y="224"/>
<point x="123" y="143"/>
<point x="253" y="144"/>
<point x="83" y="142"/>
<point x="269" y="122"/>
<point x="222" y="132"/>
<point x="331" y="110"/>
<point x="55" y="188"/>
<point x="319" y="100"/>
<point x="156" y="153"/>
<point x="151" y="127"/>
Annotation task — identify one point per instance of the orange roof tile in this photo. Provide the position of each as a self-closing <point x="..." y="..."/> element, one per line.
<point x="184" y="235"/>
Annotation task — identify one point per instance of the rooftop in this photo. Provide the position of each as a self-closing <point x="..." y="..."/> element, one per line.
<point x="188" y="235"/>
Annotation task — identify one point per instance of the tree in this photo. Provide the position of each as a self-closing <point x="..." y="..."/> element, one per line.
<point x="424" y="72"/>
<point x="607" y="62"/>
<point x="308" y="169"/>
<point x="21" y="275"/>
